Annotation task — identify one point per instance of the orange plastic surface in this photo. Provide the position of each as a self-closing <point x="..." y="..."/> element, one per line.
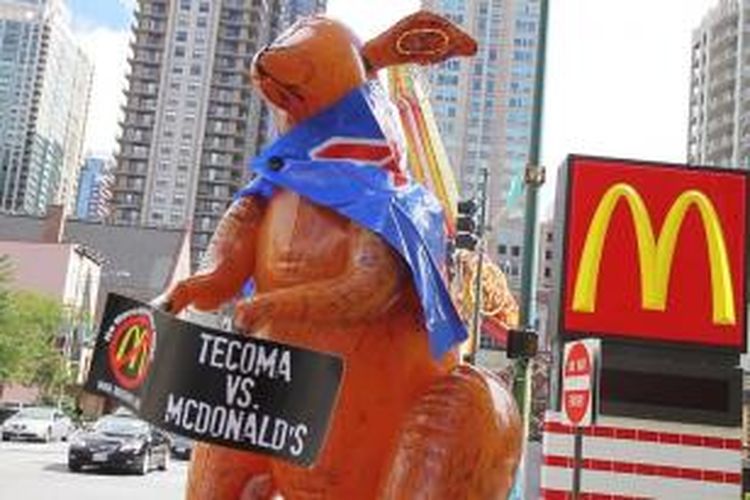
<point x="405" y="426"/>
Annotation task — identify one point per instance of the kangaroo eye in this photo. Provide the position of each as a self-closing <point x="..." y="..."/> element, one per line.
<point x="296" y="37"/>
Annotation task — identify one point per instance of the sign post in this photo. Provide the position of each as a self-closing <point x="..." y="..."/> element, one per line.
<point x="580" y="395"/>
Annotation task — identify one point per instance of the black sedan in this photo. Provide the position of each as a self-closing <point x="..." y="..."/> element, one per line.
<point x="181" y="446"/>
<point x="120" y="442"/>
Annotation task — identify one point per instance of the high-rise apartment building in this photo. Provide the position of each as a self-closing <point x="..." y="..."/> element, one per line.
<point x="94" y="189"/>
<point x="483" y="105"/>
<point x="719" y="116"/>
<point x="191" y="118"/>
<point x="45" y="83"/>
<point x="291" y="10"/>
<point x="285" y="13"/>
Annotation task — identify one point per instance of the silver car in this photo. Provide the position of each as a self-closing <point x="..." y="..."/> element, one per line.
<point x="37" y="423"/>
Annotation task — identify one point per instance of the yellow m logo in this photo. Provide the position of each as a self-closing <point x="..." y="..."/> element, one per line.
<point x="655" y="253"/>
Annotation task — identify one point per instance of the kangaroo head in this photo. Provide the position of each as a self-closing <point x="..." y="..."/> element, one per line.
<point x="318" y="60"/>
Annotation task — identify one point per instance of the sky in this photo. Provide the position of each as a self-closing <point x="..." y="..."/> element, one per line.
<point x="616" y="83"/>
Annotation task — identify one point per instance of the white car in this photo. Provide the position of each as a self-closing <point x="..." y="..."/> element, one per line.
<point x="37" y="422"/>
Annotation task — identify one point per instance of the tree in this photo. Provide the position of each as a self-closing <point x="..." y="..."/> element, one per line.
<point x="30" y="327"/>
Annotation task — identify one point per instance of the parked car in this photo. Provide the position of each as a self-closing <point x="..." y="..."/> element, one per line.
<point x="38" y="423"/>
<point x="181" y="446"/>
<point x="120" y="442"/>
<point x="8" y="409"/>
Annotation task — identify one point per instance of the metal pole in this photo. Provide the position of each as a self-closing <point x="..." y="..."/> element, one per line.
<point x="577" y="453"/>
<point x="534" y="177"/>
<point x="476" y="320"/>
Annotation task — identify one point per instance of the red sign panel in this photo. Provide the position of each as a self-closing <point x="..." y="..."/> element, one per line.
<point x="579" y="381"/>
<point x="655" y="252"/>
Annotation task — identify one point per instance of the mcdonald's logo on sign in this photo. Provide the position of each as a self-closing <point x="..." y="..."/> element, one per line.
<point x="655" y="252"/>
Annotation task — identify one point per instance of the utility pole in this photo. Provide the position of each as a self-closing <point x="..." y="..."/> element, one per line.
<point x="533" y="178"/>
<point x="476" y="321"/>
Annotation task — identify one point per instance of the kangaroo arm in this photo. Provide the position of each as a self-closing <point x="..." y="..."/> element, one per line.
<point x="369" y="285"/>
<point x="229" y="262"/>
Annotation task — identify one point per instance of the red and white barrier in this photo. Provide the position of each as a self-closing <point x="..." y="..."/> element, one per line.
<point x="627" y="458"/>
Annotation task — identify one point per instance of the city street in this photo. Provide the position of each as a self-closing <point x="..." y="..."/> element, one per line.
<point x="36" y="471"/>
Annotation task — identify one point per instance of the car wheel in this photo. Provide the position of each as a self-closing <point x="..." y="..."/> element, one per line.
<point x="74" y="467"/>
<point x="145" y="465"/>
<point x="6" y="437"/>
<point x="164" y="462"/>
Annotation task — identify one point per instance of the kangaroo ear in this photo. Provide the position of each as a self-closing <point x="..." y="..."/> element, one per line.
<point x="422" y="38"/>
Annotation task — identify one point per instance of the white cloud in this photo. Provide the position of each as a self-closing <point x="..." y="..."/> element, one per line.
<point x="617" y="80"/>
<point x="368" y="19"/>
<point x="108" y="50"/>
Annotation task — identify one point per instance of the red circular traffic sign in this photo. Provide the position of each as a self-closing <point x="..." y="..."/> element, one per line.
<point x="577" y="383"/>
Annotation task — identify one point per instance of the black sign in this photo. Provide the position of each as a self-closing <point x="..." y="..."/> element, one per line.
<point x="215" y="386"/>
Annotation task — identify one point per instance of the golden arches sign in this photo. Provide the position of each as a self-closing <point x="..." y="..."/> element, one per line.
<point x="655" y="253"/>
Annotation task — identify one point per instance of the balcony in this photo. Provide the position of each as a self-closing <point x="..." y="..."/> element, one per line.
<point x="237" y="5"/>
<point x="123" y="200"/>
<point x="139" y="90"/>
<point x="127" y="185"/>
<point x="223" y="161"/>
<point x="152" y="11"/>
<point x="144" y="121"/>
<point x="144" y="73"/>
<point x="222" y="146"/>
<point x="220" y="128"/>
<point x="225" y="96"/>
<point x="131" y="136"/>
<point x="235" y="33"/>
<point x="237" y="20"/>
<point x="231" y="49"/>
<point x="145" y="57"/>
<point x="228" y="80"/>
<point x="146" y="41"/>
<point x="149" y="26"/>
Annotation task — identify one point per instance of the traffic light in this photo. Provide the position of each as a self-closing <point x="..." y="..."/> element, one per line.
<point x="522" y="343"/>
<point x="466" y="225"/>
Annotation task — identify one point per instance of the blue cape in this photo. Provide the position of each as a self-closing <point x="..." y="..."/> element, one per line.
<point x="336" y="159"/>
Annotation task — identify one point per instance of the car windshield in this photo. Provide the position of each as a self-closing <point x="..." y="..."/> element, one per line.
<point x="121" y="426"/>
<point x="36" y="413"/>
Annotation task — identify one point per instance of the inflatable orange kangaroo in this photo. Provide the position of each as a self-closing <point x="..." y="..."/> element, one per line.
<point x="405" y="426"/>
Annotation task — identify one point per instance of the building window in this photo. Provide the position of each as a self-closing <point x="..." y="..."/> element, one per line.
<point x="515" y="250"/>
<point x="179" y="52"/>
<point x="548" y="254"/>
<point x="182" y="36"/>
<point x="502" y="249"/>
<point x="547" y="272"/>
<point x="195" y="70"/>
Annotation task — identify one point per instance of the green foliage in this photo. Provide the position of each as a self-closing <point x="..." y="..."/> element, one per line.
<point x="29" y="326"/>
